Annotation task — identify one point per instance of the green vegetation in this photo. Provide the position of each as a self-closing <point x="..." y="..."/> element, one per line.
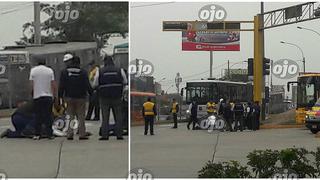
<point x="266" y="164"/>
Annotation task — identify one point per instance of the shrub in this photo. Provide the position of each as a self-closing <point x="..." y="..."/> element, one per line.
<point x="230" y="169"/>
<point x="263" y="163"/>
<point x="267" y="163"/>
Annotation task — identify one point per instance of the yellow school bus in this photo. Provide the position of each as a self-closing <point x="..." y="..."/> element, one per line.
<point x="308" y="92"/>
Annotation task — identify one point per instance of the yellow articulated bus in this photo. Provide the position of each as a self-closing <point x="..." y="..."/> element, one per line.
<point x="308" y="92"/>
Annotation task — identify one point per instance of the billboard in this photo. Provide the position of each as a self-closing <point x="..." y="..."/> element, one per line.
<point x="210" y="41"/>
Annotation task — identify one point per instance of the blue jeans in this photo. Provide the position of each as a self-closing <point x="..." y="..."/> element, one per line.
<point x="21" y="124"/>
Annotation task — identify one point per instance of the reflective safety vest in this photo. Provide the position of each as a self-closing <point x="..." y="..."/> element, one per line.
<point x="92" y="73"/>
<point x="148" y="108"/>
<point x="174" y="107"/>
<point x="211" y="107"/>
<point x="110" y="82"/>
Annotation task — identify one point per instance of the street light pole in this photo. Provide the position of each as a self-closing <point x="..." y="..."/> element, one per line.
<point x="303" y="58"/>
<point x="158" y="103"/>
<point x="299" y="27"/>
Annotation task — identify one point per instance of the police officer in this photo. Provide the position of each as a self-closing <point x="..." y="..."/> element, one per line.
<point x="238" y="114"/>
<point x="174" y="110"/>
<point x="193" y="109"/>
<point x="227" y="114"/>
<point x="73" y="88"/>
<point x="211" y="108"/>
<point x="149" y="112"/>
<point x="221" y="104"/>
<point x="249" y="112"/>
<point x="256" y="116"/>
<point x="110" y="81"/>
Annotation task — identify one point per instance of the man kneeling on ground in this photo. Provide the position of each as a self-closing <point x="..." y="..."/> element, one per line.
<point x="23" y="120"/>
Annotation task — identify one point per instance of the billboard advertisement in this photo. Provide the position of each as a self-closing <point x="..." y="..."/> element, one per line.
<point x="210" y="41"/>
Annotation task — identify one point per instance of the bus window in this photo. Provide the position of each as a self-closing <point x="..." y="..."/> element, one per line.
<point x="310" y="94"/>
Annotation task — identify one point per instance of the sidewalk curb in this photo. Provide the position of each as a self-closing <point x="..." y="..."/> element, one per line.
<point x="281" y="126"/>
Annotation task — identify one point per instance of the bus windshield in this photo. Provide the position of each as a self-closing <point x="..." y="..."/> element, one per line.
<point x="201" y="92"/>
<point x="308" y="91"/>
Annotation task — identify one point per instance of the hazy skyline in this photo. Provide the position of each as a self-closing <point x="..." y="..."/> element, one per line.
<point x="163" y="49"/>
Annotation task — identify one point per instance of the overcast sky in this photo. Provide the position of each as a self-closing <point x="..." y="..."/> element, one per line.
<point x="12" y="16"/>
<point x="163" y="49"/>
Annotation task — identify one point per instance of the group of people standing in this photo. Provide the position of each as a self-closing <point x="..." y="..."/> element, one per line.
<point x="105" y="88"/>
<point x="242" y="116"/>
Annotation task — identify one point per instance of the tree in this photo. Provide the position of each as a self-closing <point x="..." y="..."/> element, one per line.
<point x="96" y="19"/>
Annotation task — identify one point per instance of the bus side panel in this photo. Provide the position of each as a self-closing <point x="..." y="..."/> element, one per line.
<point x="300" y="115"/>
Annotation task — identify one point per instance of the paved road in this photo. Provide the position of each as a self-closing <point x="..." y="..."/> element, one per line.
<point x="92" y="158"/>
<point x="175" y="153"/>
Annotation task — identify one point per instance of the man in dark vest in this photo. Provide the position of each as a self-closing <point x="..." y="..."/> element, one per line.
<point x="248" y="115"/>
<point x="110" y="82"/>
<point x="227" y="115"/>
<point x="193" y="109"/>
<point x="73" y="88"/>
<point x="256" y="116"/>
<point x="238" y="114"/>
<point x="148" y="112"/>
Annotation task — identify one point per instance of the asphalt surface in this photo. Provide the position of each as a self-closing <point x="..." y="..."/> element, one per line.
<point x="78" y="159"/>
<point x="181" y="153"/>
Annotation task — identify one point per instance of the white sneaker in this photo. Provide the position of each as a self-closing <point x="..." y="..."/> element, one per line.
<point x="36" y="138"/>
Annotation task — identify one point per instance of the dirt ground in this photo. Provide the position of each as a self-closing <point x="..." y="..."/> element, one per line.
<point x="287" y="117"/>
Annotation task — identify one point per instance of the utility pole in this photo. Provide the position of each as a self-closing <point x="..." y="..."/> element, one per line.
<point x="36" y="23"/>
<point x="229" y="70"/>
<point x="304" y="64"/>
<point x="211" y="63"/>
<point x="258" y="60"/>
<point x="263" y="102"/>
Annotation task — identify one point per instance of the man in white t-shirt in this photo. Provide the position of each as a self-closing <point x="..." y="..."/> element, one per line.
<point x="44" y="89"/>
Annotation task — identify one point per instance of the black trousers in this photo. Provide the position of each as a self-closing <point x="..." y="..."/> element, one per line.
<point x="238" y="119"/>
<point x="43" y="111"/>
<point x="116" y="105"/>
<point x="148" y="121"/>
<point x="229" y="123"/>
<point x="175" y="120"/>
<point x="256" y="122"/>
<point x="192" y="120"/>
<point x="94" y="105"/>
<point x="249" y="122"/>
